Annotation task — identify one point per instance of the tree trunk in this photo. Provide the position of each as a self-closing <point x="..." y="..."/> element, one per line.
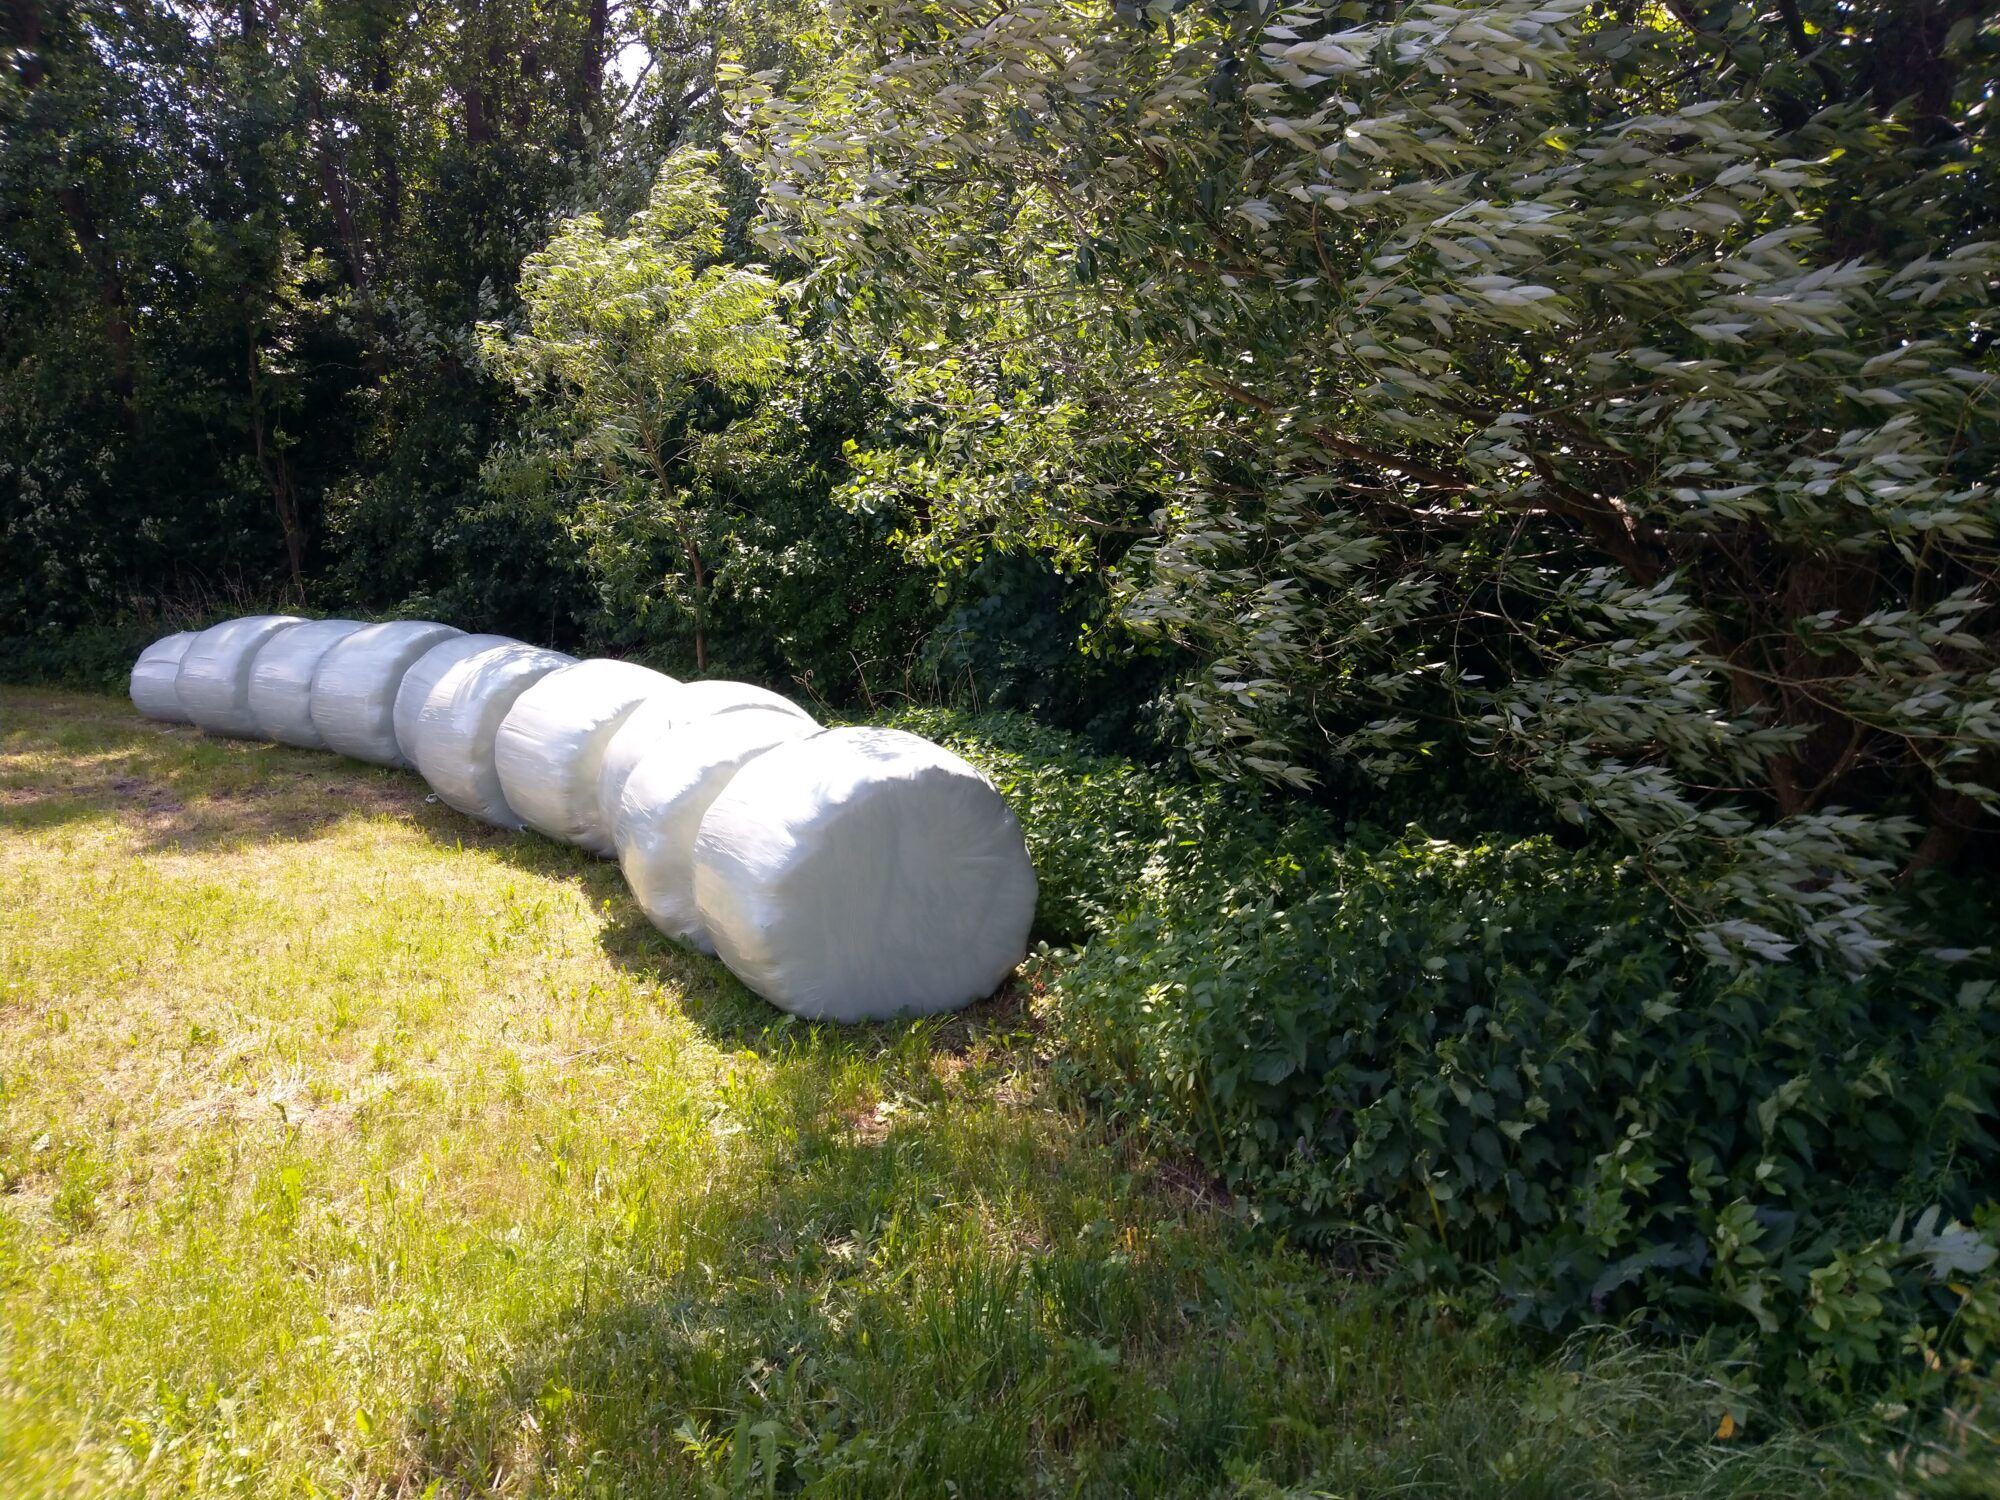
<point x="392" y="169"/>
<point x="1953" y="817"/>
<point x="1906" y="60"/>
<point x="114" y="316"/>
<point x="589" y="88"/>
<point x="24" y="21"/>
<point x="333" y="187"/>
<point x="277" y="473"/>
<point x="700" y="577"/>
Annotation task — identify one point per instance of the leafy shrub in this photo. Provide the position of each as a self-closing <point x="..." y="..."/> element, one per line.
<point x="1104" y="831"/>
<point x="1503" y="1060"/>
<point x="1107" y="833"/>
<point x="97" y="655"/>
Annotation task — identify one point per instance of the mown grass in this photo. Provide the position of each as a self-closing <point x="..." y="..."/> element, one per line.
<point x="348" y="1148"/>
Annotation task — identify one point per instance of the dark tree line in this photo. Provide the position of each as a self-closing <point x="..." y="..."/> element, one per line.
<point x="242" y="248"/>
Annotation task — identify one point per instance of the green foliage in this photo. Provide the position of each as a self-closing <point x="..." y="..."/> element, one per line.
<point x="246" y="249"/>
<point x="1505" y="1063"/>
<point x="806" y="592"/>
<point x="98" y="655"/>
<point x="1104" y="832"/>
<point x="476" y="1186"/>
<point x="1501" y="1060"/>
<point x="1608" y="389"/>
<point x="627" y="343"/>
<point x="1109" y="834"/>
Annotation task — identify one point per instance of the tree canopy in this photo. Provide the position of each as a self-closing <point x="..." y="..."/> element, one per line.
<point x="628" y="334"/>
<point x="1608" y="387"/>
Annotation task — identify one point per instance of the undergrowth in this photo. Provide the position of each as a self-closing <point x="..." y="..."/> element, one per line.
<point x="1497" y="1058"/>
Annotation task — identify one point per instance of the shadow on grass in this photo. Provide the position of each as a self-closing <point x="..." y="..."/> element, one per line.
<point x="727" y="1012"/>
<point x="950" y="1303"/>
<point x="181" y="791"/>
<point x="990" y="1301"/>
<point x="732" y="1015"/>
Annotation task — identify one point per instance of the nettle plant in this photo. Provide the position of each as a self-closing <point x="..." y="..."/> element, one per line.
<point x="1609" y="386"/>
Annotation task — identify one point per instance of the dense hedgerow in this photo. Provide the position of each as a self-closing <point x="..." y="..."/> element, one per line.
<point x="1503" y="1060"/>
<point x="98" y="656"/>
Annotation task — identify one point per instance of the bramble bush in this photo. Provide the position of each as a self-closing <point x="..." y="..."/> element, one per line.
<point x="1506" y="1062"/>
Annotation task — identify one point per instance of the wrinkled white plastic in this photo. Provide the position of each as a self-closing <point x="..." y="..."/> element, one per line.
<point x="658" y="717"/>
<point x="667" y="795"/>
<point x="461" y="717"/>
<point x="718" y="696"/>
<point x="213" y="683"/>
<point x="281" y="679"/>
<point x="423" y="675"/>
<point x="354" y="690"/>
<point x="154" y="692"/>
<point x="864" y="873"/>
<point x="551" y="746"/>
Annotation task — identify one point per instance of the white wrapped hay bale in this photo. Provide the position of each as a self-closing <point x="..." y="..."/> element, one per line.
<point x="423" y="675"/>
<point x="213" y="683"/>
<point x="551" y="746"/>
<point x="354" y="690"/>
<point x="666" y="797"/>
<point x="461" y="718"/>
<point x="864" y="873"/>
<point x="154" y="692"/>
<point x="720" y="696"/>
<point x="281" y="679"/>
<point x="658" y="717"/>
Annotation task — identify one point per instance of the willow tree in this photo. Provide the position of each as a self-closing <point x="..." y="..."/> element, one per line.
<point x="1607" y="387"/>
<point x="632" y="345"/>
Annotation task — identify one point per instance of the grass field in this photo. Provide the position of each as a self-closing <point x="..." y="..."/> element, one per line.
<point x="349" y="1148"/>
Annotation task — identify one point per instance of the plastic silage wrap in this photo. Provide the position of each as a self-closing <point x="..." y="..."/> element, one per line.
<point x="423" y="675"/>
<point x="213" y="683"/>
<point x="720" y="696"/>
<point x="354" y="690"/>
<point x="281" y="678"/>
<point x="154" y="692"/>
<point x="864" y="873"/>
<point x="461" y="717"/>
<point x="551" y="746"/>
<point x="658" y="717"/>
<point x="665" y="798"/>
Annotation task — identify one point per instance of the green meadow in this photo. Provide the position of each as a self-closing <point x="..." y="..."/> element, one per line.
<point x="348" y="1148"/>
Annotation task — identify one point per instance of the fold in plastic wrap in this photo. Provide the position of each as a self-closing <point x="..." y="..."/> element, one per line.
<point x="423" y="675"/>
<point x="551" y="747"/>
<point x="667" y="795"/>
<point x="462" y="717"/>
<point x="213" y="683"/>
<point x="281" y="679"/>
<point x="862" y="874"/>
<point x="354" y="690"/>
<point x="154" y="692"/>
<point x="719" y="695"/>
<point x="658" y="717"/>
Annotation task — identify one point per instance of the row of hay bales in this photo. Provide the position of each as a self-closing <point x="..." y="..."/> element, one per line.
<point x="847" y="874"/>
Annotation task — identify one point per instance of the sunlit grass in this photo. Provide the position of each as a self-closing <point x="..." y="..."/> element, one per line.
<point x="349" y="1148"/>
